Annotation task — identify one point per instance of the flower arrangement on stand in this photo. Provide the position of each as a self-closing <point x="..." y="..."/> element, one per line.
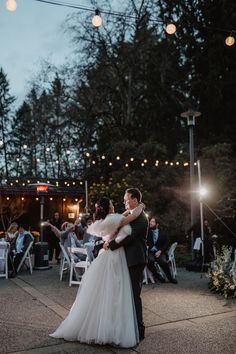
<point x="222" y="273"/>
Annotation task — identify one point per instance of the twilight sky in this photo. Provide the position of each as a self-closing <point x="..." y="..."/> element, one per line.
<point x="31" y="33"/>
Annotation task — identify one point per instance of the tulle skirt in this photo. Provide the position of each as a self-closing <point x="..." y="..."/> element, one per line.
<point x="103" y="311"/>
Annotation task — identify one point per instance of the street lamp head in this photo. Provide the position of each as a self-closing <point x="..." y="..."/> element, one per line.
<point x="203" y="192"/>
<point x="190" y="115"/>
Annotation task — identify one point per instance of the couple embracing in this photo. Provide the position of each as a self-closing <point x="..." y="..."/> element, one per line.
<point x="108" y="306"/>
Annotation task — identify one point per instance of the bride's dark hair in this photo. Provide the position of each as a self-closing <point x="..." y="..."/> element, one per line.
<point x="102" y="208"/>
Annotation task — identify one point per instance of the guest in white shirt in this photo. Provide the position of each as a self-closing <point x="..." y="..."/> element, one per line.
<point x="11" y="232"/>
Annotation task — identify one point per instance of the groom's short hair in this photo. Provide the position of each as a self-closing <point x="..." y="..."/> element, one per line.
<point x="135" y="193"/>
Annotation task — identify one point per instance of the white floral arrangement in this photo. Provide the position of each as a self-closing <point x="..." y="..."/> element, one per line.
<point x="222" y="273"/>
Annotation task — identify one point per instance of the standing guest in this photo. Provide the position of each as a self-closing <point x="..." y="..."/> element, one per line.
<point x="158" y="244"/>
<point x="197" y="237"/>
<point x="52" y="239"/>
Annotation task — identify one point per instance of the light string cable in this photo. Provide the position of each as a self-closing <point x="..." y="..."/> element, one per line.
<point x="102" y="11"/>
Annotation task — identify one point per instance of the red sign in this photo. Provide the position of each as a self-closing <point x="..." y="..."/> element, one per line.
<point x="42" y="188"/>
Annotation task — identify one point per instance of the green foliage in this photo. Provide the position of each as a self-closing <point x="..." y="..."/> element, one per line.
<point x="222" y="276"/>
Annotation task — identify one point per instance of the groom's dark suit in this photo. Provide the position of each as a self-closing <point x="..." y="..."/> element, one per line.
<point x="136" y="255"/>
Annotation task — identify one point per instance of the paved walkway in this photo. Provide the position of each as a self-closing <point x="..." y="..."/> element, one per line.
<point x="183" y="318"/>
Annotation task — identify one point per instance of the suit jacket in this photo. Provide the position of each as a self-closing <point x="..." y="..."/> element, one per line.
<point x="162" y="243"/>
<point x="135" y="244"/>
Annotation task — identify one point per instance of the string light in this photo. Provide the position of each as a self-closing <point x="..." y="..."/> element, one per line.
<point x="230" y="40"/>
<point x="11" y="5"/>
<point x="1" y="142"/>
<point x="170" y="28"/>
<point x="97" y="19"/>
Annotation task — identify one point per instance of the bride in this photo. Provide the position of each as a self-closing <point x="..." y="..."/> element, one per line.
<point x="104" y="311"/>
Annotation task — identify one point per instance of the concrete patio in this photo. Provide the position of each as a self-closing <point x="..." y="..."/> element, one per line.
<point x="183" y="318"/>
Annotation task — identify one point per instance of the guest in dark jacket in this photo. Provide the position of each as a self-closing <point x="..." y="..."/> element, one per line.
<point x="19" y="245"/>
<point x="158" y="244"/>
<point x="52" y="239"/>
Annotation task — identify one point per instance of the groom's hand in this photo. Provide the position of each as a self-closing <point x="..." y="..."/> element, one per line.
<point x="106" y="245"/>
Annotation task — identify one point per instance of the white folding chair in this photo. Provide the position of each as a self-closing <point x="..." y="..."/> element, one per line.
<point x="4" y="249"/>
<point x="147" y="274"/>
<point x="77" y="268"/>
<point x="65" y="261"/>
<point x="171" y="259"/>
<point x="26" y="259"/>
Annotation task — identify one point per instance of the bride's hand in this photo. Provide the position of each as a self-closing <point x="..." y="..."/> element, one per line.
<point x="143" y="205"/>
<point x="106" y="245"/>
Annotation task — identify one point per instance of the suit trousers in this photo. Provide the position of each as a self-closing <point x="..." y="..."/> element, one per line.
<point x="162" y="261"/>
<point x="136" y="277"/>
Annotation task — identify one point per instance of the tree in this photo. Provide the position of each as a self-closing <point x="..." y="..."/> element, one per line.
<point x="5" y="107"/>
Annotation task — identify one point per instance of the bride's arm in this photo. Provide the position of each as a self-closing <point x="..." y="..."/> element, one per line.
<point x="126" y="220"/>
<point x="131" y="217"/>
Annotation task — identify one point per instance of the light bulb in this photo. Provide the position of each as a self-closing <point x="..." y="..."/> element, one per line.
<point x="170" y="28"/>
<point x="97" y="20"/>
<point x="229" y="41"/>
<point x="11" y="5"/>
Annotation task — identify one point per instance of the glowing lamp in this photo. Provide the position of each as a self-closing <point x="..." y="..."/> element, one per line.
<point x="203" y="192"/>
<point x="97" y="20"/>
<point x="229" y="41"/>
<point x="42" y="188"/>
<point x="11" y="5"/>
<point x="170" y="28"/>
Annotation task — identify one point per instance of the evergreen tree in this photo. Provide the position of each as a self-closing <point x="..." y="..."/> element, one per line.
<point x="6" y="101"/>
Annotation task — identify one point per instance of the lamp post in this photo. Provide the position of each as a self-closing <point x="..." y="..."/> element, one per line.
<point x="86" y="196"/>
<point x="201" y="194"/>
<point x="190" y="116"/>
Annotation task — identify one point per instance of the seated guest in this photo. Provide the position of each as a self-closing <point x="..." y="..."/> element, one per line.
<point x="19" y="245"/>
<point x="157" y="251"/>
<point x="11" y="232"/>
<point x="68" y="237"/>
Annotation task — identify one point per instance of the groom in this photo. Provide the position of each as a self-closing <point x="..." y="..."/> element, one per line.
<point x="136" y="251"/>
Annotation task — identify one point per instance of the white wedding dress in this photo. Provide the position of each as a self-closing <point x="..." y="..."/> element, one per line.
<point x="104" y="311"/>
